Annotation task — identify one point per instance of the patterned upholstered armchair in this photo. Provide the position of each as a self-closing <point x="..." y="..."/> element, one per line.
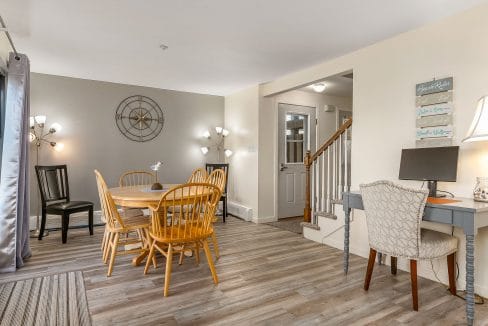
<point x="393" y="215"/>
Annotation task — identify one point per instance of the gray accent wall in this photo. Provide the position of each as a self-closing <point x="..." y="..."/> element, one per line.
<point x="86" y="110"/>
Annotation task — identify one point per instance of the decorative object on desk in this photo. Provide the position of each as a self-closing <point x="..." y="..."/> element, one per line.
<point x="434" y="113"/>
<point x="478" y="131"/>
<point x="37" y="137"/>
<point x="139" y="118"/>
<point x="217" y="143"/>
<point x="480" y="191"/>
<point x="155" y="168"/>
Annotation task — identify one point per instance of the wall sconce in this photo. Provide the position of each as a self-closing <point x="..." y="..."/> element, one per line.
<point x="218" y="142"/>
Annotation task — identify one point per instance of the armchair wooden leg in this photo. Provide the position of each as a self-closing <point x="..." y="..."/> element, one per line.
<point x="413" y="276"/>
<point x="167" y="275"/>
<point x="64" y="227"/>
<point x="206" y="248"/>
<point x="197" y="253"/>
<point x="224" y="213"/>
<point x="393" y="265"/>
<point x="150" y="258"/>
<point x="108" y="247"/>
<point x="215" y="245"/>
<point x="43" y="223"/>
<point x="451" y="261"/>
<point x="369" y="270"/>
<point x="182" y="255"/>
<point x="114" y="246"/>
<point x="90" y="220"/>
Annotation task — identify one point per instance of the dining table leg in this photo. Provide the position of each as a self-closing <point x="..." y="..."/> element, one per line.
<point x="146" y="244"/>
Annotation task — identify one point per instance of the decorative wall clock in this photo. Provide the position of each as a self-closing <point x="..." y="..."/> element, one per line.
<point x="139" y="118"/>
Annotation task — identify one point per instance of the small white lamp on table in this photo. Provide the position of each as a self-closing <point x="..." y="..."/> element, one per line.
<point x="478" y="131"/>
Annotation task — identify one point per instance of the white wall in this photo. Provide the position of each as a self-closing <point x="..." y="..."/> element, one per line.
<point x="385" y="75"/>
<point x="252" y="180"/>
<point x="86" y="110"/>
<point x="242" y="120"/>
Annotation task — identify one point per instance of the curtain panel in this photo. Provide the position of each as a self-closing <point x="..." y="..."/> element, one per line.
<point x="14" y="180"/>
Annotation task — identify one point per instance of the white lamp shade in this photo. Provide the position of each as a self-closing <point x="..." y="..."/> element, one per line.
<point x="204" y="150"/>
<point x="206" y="134"/>
<point x="219" y="130"/>
<point x="32" y="137"/>
<point x="479" y="127"/>
<point x="225" y="132"/>
<point x="40" y="119"/>
<point x="228" y="152"/>
<point x="56" y="127"/>
<point x="31" y="122"/>
<point x="59" y="147"/>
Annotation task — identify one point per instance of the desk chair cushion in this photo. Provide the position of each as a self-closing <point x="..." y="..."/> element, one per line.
<point x="435" y="244"/>
<point x="71" y="205"/>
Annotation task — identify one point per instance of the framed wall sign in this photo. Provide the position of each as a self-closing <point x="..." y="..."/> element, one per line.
<point x="434" y="112"/>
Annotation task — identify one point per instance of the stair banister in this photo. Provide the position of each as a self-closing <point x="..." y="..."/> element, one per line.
<point x="334" y="150"/>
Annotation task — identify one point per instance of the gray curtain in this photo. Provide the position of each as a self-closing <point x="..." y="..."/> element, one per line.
<point x="14" y="180"/>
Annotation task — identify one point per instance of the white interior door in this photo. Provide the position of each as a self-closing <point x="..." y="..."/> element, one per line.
<point x="296" y="135"/>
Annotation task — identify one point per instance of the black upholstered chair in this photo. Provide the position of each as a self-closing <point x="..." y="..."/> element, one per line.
<point x="54" y="189"/>
<point x="224" y="166"/>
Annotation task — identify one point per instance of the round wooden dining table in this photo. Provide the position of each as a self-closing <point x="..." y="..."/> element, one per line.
<point x="138" y="197"/>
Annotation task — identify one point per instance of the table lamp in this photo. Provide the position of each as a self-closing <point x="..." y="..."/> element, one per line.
<point x="478" y="131"/>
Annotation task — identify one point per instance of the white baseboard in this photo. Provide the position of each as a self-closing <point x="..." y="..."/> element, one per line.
<point x="267" y="219"/>
<point x="32" y="219"/>
<point x="239" y="210"/>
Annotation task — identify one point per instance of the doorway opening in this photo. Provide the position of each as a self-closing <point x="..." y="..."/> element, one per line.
<point x="307" y="118"/>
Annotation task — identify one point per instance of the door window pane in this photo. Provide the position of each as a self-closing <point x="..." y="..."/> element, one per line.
<point x="296" y="137"/>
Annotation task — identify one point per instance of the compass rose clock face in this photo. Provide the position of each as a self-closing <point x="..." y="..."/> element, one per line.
<point x="139" y="118"/>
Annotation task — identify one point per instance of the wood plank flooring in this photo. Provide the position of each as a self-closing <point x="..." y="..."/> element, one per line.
<point x="268" y="276"/>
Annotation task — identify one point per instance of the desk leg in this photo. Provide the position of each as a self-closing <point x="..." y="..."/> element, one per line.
<point x="470" y="279"/>
<point x="347" y="215"/>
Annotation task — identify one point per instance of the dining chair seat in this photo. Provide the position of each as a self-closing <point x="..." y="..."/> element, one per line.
<point x="177" y="234"/>
<point x="134" y="222"/>
<point x="435" y="244"/>
<point x="70" y="206"/>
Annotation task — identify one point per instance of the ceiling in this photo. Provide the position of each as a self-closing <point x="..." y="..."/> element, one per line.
<point x="336" y="86"/>
<point x="215" y="46"/>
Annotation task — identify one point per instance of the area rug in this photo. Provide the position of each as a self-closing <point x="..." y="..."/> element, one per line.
<point x="291" y="224"/>
<point x="58" y="299"/>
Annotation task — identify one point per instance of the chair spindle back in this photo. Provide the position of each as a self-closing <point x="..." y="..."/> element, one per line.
<point x="109" y="209"/>
<point x="198" y="175"/>
<point x="185" y="212"/>
<point x="137" y="178"/>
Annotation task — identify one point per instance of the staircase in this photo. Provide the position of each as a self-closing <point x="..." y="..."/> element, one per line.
<point x="328" y="175"/>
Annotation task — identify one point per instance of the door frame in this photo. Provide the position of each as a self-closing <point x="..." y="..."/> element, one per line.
<point x="276" y="105"/>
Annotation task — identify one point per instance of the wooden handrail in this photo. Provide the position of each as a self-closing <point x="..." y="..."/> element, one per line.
<point x="331" y="140"/>
<point x="310" y="158"/>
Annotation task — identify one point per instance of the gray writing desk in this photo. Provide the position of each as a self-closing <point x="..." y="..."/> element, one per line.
<point x="467" y="214"/>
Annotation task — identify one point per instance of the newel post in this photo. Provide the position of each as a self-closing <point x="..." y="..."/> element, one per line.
<point x="307" y="213"/>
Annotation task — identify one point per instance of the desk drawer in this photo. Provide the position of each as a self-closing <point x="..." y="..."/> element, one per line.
<point x="438" y="215"/>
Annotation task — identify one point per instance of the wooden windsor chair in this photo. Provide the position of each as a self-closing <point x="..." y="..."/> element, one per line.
<point x="116" y="225"/>
<point x="198" y="175"/>
<point x="183" y="219"/>
<point x="130" y="179"/>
